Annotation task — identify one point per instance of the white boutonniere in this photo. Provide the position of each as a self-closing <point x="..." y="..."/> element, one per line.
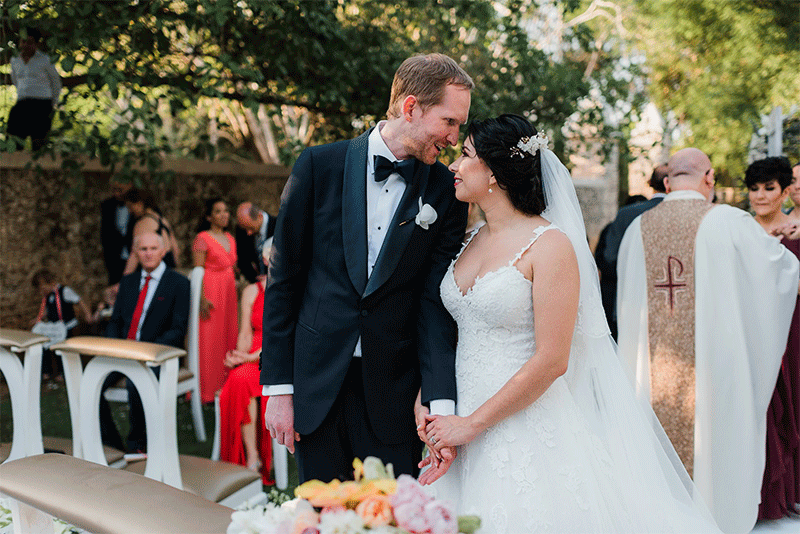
<point x="426" y="216"/>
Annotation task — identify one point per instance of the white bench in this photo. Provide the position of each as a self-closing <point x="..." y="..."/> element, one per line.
<point x="21" y="364"/>
<point x="101" y="500"/>
<point x="218" y="481"/>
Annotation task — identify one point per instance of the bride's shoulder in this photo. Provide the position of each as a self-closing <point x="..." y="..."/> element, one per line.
<point x="550" y="242"/>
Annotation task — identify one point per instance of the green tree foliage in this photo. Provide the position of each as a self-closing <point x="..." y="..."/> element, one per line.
<point x="719" y="65"/>
<point x="147" y="60"/>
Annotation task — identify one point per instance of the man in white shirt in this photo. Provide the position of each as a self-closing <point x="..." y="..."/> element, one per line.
<point x="38" y="88"/>
<point x="353" y="322"/>
<point x="704" y="303"/>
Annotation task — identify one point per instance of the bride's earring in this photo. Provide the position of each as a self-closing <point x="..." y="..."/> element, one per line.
<point x="490" y="189"/>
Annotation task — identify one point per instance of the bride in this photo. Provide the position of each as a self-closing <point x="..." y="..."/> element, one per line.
<point x="548" y="434"/>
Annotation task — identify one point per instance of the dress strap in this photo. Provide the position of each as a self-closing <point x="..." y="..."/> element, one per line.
<point x="537" y="232"/>
<point x="467" y="241"/>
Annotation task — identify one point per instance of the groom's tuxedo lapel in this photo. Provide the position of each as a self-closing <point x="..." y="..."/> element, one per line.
<point x="354" y="211"/>
<point x="400" y="230"/>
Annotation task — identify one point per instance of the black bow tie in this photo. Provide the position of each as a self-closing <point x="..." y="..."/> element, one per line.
<point x="384" y="167"/>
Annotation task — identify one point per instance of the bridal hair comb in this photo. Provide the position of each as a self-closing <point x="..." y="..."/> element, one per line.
<point x="529" y="145"/>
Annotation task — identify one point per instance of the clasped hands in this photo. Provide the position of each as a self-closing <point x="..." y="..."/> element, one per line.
<point x="442" y="434"/>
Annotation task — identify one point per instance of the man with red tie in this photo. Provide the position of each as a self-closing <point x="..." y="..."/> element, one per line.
<point x="153" y="306"/>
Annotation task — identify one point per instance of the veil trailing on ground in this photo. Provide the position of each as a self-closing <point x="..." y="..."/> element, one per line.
<point x="638" y="447"/>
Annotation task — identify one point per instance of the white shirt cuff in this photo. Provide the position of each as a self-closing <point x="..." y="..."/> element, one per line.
<point x="277" y="389"/>
<point x="443" y="407"/>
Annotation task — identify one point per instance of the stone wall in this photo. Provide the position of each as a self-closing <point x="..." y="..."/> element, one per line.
<point x="47" y="221"/>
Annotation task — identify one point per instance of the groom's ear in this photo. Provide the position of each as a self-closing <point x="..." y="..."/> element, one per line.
<point x="410" y="103"/>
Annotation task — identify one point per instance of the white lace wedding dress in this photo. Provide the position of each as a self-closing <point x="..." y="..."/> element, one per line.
<point x="543" y="469"/>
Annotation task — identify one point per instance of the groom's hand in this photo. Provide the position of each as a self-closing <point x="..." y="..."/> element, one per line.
<point x="279" y="419"/>
<point x="435" y="471"/>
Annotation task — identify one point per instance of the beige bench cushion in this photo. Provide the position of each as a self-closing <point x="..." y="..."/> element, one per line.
<point x="103" y="500"/>
<point x="64" y="445"/>
<point x="21" y="339"/>
<point x="208" y="479"/>
<point x="119" y="348"/>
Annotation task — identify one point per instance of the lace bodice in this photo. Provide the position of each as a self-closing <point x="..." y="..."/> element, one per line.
<point x="495" y="322"/>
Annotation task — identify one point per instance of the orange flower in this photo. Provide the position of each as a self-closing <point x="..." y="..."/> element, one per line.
<point x="375" y="510"/>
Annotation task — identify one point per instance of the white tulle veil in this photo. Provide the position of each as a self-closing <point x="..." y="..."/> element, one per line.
<point x="634" y="439"/>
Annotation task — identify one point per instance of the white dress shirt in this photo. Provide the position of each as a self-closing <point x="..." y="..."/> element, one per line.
<point x="35" y="79"/>
<point x="382" y="201"/>
<point x="155" y="278"/>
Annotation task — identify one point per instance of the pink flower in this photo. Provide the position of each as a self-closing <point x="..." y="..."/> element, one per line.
<point x="408" y="505"/>
<point x="412" y="518"/>
<point x="409" y="491"/>
<point x="441" y="517"/>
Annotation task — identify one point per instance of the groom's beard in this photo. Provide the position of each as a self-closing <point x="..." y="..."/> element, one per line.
<point x="422" y="146"/>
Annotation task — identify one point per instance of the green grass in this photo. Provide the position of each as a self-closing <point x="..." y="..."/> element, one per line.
<point x="56" y="423"/>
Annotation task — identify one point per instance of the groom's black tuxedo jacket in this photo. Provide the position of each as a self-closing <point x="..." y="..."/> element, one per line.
<point x="319" y="300"/>
<point x="166" y="318"/>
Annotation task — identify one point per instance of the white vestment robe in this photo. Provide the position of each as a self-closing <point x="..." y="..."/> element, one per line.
<point x="746" y="284"/>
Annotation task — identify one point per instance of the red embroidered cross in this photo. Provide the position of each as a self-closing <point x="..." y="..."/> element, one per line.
<point x="669" y="284"/>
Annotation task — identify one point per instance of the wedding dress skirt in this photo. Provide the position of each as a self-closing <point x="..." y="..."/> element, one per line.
<point x="546" y="469"/>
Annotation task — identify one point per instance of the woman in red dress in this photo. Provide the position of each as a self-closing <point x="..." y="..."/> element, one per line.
<point x="243" y="438"/>
<point x="767" y="182"/>
<point x="215" y="250"/>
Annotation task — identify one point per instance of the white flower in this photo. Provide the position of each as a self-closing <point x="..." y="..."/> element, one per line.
<point x="532" y="145"/>
<point x="426" y="216"/>
<point x="268" y="519"/>
<point x="347" y="522"/>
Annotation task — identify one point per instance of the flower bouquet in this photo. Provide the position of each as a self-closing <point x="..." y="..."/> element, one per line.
<point x="374" y="503"/>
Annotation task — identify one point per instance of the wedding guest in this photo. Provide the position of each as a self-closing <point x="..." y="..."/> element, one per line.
<point x="608" y="249"/>
<point x="704" y="301"/>
<point x="59" y="303"/>
<point x="214" y="249"/>
<point x="116" y="231"/>
<point x="794" y="192"/>
<point x="153" y="306"/>
<point x="38" y="88"/>
<point x="254" y="227"/>
<point x="244" y="439"/>
<point x="142" y="206"/>
<point x="768" y="181"/>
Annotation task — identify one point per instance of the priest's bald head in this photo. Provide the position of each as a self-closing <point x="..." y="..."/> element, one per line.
<point x="690" y="169"/>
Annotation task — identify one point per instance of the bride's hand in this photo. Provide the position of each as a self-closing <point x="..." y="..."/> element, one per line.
<point x="449" y="431"/>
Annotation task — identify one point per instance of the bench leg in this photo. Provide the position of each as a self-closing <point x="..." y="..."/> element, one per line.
<point x="197" y="415"/>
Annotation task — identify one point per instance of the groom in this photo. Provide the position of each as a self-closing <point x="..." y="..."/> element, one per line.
<point x="353" y="321"/>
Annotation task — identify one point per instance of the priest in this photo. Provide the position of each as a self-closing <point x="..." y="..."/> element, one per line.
<point x="704" y="304"/>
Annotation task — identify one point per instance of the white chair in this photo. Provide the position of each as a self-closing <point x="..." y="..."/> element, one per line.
<point x="280" y="454"/>
<point x="188" y="376"/>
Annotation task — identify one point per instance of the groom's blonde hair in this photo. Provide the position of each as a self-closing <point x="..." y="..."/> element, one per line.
<point x="425" y="77"/>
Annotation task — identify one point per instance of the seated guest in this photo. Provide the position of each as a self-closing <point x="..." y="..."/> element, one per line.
<point x="768" y="181"/>
<point x="57" y="310"/>
<point x="152" y="305"/>
<point x="142" y="206"/>
<point x="243" y="438"/>
<point x="254" y="228"/>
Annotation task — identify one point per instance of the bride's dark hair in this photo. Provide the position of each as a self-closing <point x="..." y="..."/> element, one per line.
<point x="519" y="174"/>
